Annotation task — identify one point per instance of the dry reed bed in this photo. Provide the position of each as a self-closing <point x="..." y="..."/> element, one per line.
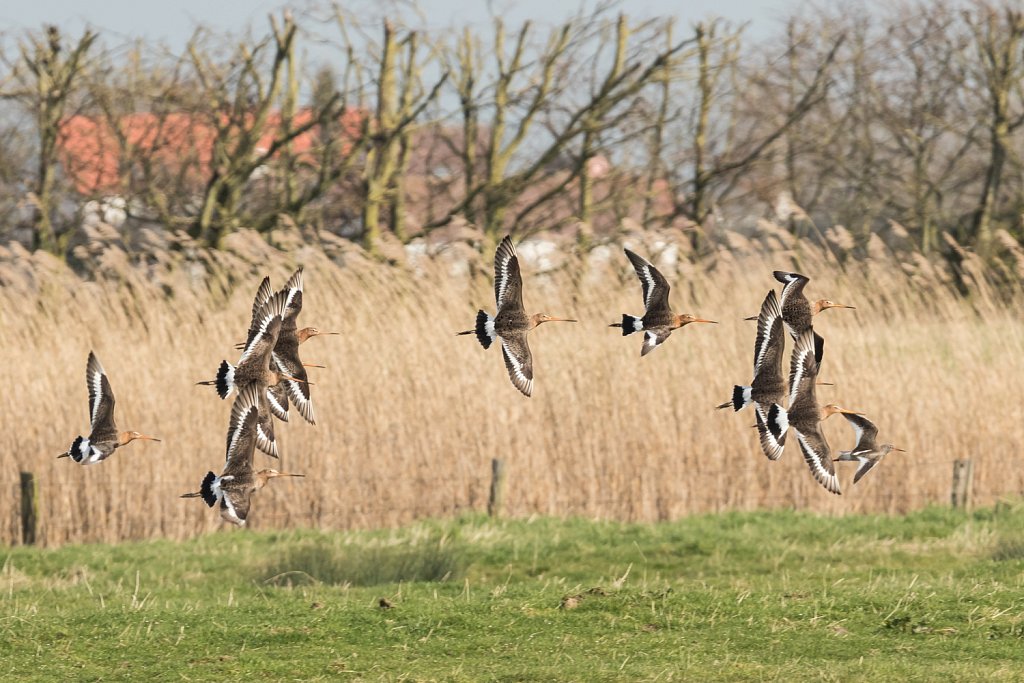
<point x="411" y="415"/>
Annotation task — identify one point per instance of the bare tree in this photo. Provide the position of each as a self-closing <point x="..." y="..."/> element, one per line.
<point x="998" y="38"/>
<point x="45" y="80"/>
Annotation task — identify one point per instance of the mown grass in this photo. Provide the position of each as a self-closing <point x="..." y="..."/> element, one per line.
<point x="721" y="597"/>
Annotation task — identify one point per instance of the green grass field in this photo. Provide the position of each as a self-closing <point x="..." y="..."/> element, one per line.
<point x="742" y="596"/>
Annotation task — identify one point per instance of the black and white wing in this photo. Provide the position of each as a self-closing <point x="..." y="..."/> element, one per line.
<point x="655" y="286"/>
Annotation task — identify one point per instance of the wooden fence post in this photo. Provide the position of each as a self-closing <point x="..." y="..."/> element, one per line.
<point x="963" y="477"/>
<point x="497" y="497"/>
<point x="29" y="508"/>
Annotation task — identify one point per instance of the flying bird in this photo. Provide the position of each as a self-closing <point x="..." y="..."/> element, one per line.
<point x="510" y="323"/>
<point x="254" y="368"/>
<point x="285" y="356"/>
<point x="867" y="451"/>
<point x="797" y="311"/>
<point x="817" y="307"/>
<point x="658" y="320"/>
<point x="103" y="437"/>
<point x="233" y="489"/>
<point x="804" y="416"/>
<point x="768" y="386"/>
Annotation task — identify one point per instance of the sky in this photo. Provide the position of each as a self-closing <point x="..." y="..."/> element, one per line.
<point x="173" y="21"/>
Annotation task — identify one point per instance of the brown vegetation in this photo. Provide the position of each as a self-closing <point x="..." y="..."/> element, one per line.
<point x="411" y="415"/>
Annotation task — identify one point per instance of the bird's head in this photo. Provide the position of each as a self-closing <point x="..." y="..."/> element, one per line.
<point x="686" y="319"/>
<point x="825" y="304"/>
<point x="310" y="332"/>
<point x="545" y="318"/>
<point x="128" y="437"/>
<point x="833" y="408"/>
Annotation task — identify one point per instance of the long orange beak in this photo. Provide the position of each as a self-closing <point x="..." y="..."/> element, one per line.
<point x="560" y="320"/>
<point x="287" y="474"/>
<point x="901" y="450"/>
<point x="702" y="320"/>
<point x="314" y="365"/>
<point x="328" y="333"/>
<point x="144" y="437"/>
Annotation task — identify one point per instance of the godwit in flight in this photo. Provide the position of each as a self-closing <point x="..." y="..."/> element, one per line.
<point x="817" y="307"/>
<point x="103" y="437"/>
<point x="254" y="368"/>
<point x="768" y="386"/>
<point x="510" y="322"/>
<point x="658" y="320"/>
<point x="234" y="487"/>
<point x="285" y="356"/>
<point x="804" y="415"/>
<point x="797" y="312"/>
<point x="867" y="451"/>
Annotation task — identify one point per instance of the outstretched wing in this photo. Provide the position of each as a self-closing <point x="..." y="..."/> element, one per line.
<point x="770" y="343"/>
<point x="653" y="338"/>
<point x="865" y="466"/>
<point x="519" y="362"/>
<point x="655" y="286"/>
<point x="772" y="446"/>
<point x="241" y="439"/>
<point x="508" y="282"/>
<point x="792" y="284"/>
<point x="234" y="505"/>
<point x="298" y="392"/>
<point x="263" y="294"/>
<point x="101" y="403"/>
<point x="262" y="342"/>
<point x="865" y="430"/>
<point x="818" y="457"/>
<point x="803" y="369"/>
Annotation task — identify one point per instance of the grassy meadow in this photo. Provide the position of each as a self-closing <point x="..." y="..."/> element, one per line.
<point x="410" y="415"/>
<point x="737" y="596"/>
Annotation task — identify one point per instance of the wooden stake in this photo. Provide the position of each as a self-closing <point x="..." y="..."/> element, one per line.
<point x="963" y="478"/>
<point x="497" y="497"/>
<point x="29" y="508"/>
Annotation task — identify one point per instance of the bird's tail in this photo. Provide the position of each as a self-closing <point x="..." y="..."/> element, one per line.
<point x="484" y="329"/>
<point x="225" y="382"/>
<point x="629" y="324"/>
<point x="79" y="449"/>
<point x="209" y="497"/>
<point x="778" y="420"/>
<point x="741" y="398"/>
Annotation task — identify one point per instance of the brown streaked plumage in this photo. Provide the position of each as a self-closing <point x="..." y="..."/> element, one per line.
<point x="804" y="416"/>
<point x="234" y="487"/>
<point x="867" y="451"/>
<point x="104" y="438"/>
<point x="510" y="323"/>
<point x="797" y="312"/>
<point x="769" y="385"/>
<point x="818" y="306"/>
<point x="658" y="320"/>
